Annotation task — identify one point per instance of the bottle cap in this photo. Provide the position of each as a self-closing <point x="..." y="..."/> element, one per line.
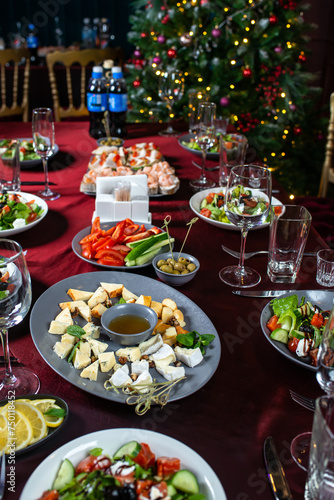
<point x="117" y="72"/>
<point x="97" y="71"/>
<point x="108" y="63"/>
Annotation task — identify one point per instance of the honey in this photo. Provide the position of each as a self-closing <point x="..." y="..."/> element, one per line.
<point x="129" y="324"/>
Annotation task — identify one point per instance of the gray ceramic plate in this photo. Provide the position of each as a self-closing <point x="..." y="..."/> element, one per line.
<point x="197" y="152"/>
<point x="33" y="163"/>
<point x="76" y="247"/>
<point x="46" y="308"/>
<point x="53" y="431"/>
<point x="322" y="298"/>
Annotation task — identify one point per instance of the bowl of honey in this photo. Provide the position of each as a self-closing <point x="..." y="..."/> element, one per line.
<point x="129" y="324"/>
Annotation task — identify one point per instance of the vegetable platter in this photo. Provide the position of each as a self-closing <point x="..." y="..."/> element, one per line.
<point x="20" y="212"/>
<point x="196" y="203"/>
<point x="110" y="440"/>
<point x="47" y="308"/>
<point x="28" y="157"/>
<point x="292" y="314"/>
<point x="120" y="244"/>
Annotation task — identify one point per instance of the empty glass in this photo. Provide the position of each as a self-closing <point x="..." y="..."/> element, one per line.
<point x="325" y="267"/>
<point x="232" y="152"/>
<point x="10" y="168"/>
<point x="171" y="88"/>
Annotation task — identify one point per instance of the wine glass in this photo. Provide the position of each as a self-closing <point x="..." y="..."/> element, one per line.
<point x="44" y="140"/>
<point x="15" y="301"/>
<point x="205" y="138"/>
<point x="247" y="205"/>
<point x="171" y="89"/>
<point x="300" y="445"/>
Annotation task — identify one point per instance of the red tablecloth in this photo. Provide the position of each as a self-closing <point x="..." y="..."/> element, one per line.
<point x="246" y="400"/>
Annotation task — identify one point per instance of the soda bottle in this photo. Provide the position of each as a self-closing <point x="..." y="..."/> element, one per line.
<point x="32" y="43"/>
<point x="105" y="33"/>
<point x="118" y="103"/>
<point x="87" y="34"/>
<point x="97" y="102"/>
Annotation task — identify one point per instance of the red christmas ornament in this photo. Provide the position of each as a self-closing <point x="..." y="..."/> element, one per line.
<point x="143" y="35"/>
<point x="247" y="73"/>
<point x="204" y="2"/>
<point x="136" y="83"/>
<point x="297" y="130"/>
<point x="273" y="19"/>
<point x="302" y="57"/>
<point x="171" y="53"/>
<point x="216" y="33"/>
<point x="165" y="19"/>
<point x="157" y="60"/>
<point x="137" y="53"/>
<point x="161" y="39"/>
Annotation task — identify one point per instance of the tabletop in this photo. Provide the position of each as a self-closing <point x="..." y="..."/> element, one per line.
<point x="247" y="398"/>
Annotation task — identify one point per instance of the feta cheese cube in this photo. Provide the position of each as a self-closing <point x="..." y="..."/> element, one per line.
<point x="171" y="372"/>
<point x="190" y="357"/>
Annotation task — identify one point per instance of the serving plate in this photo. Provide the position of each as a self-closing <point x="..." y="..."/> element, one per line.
<point x="76" y="247"/>
<point x="112" y="439"/>
<point x="114" y="139"/>
<point x="197" y="152"/>
<point x="53" y="431"/>
<point x="28" y="197"/>
<point x="46" y="309"/>
<point x="33" y="163"/>
<point x="195" y="205"/>
<point x="322" y="298"/>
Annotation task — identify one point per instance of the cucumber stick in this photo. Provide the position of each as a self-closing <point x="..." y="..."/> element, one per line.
<point x="145" y="246"/>
<point x="64" y="476"/>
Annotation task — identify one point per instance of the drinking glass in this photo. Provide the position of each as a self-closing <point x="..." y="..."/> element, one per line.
<point x="247" y="205"/>
<point x="10" y="168"/>
<point x="300" y="446"/>
<point x="205" y="138"/>
<point x="44" y="140"/>
<point x="15" y="301"/>
<point x="171" y="89"/>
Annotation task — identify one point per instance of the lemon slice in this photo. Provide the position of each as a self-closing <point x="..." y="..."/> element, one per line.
<point x="43" y="404"/>
<point x="3" y="431"/>
<point x="36" y="419"/>
<point x="18" y="434"/>
<point x="51" y="420"/>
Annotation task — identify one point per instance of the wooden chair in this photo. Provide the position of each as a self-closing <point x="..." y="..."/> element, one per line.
<point x="9" y="66"/>
<point x="69" y="59"/>
<point x="327" y="174"/>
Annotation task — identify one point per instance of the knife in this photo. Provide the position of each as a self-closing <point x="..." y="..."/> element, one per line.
<point x="276" y="476"/>
<point x="37" y="183"/>
<point x="261" y="293"/>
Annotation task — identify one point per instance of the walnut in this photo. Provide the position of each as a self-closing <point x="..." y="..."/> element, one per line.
<point x="122" y="360"/>
<point x="151" y="364"/>
<point x="173" y="321"/>
<point x="93" y="358"/>
<point x="177" y="363"/>
<point x="134" y="376"/>
<point x="144" y="356"/>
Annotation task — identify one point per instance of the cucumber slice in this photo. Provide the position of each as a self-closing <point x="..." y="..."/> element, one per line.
<point x="171" y="491"/>
<point x="296" y="333"/>
<point x="64" y="476"/>
<point x="130" y="449"/>
<point x="280" y="335"/>
<point x="185" y="481"/>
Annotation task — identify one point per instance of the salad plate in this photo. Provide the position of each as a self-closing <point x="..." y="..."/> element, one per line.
<point x="110" y="440"/>
<point x="76" y="247"/>
<point x="322" y="298"/>
<point x="52" y="431"/>
<point x="195" y="205"/>
<point x="46" y="309"/>
<point x="25" y="162"/>
<point x="28" y="197"/>
<point x="198" y="152"/>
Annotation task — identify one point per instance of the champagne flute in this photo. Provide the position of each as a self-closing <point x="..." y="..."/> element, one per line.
<point x="44" y="140"/>
<point x="300" y="445"/>
<point x="247" y="205"/>
<point x="15" y="301"/>
<point x="205" y="138"/>
<point x="171" y="89"/>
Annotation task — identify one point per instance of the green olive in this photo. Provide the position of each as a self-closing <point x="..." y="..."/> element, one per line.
<point x="191" y="267"/>
<point x="171" y="261"/>
<point x="185" y="271"/>
<point x="161" y="262"/>
<point x="179" y="266"/>
<point x="182" y="260"/>
<point x="175" y="271"/>
<point x="166" y="269"/>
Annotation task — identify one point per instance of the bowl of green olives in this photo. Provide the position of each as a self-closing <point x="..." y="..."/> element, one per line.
<point x="175" y="269"/>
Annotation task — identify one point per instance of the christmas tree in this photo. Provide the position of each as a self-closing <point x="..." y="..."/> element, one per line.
<point x="249" y="55"/>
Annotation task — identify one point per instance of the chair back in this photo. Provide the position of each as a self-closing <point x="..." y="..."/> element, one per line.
<point x="327" y="174"/>
<point x="69" y="59"/>
<point x="14" y="90"/>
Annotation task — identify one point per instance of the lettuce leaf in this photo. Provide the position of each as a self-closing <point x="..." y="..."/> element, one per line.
<point x="284" y="304"/>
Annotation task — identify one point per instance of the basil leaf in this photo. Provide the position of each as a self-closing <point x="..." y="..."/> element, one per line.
<point x="56" y="412"/>
<point x="75" y="330"/>
<point x="185" y="339"/>
<point x="96" y="452"/>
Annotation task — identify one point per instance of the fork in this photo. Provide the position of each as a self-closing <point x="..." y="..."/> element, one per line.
<point x="305" y="401"/>
<point x="248" y="255"/>
<point x="2" y="474"/>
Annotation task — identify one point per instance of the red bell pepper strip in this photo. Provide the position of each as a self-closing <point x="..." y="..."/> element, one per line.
<point x="272" y="324"/>
<point x="317" y="320"/>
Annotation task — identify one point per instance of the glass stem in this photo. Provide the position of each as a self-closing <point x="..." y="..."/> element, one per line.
<point x="170" y="120"/>
<point x="10" y="378"/>
<point x="203" y="176"/>
<point x="45" y="168"/>
<point x="241" y="266"/>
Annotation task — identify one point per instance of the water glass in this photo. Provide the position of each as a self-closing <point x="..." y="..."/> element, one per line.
<point x="221" y="125"/>
<point x="231" y="153"/>
<point x="325" y="267"/>
<point x="320" y="476"/>
<point x="195" y="98"/>
<point x="289" y="229"/>
<point x="10" y="168"/>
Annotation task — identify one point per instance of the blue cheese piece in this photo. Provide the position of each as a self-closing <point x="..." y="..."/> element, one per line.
<point x="97" y="346"/>
<point x="171" y="373"/>
<point x="65" y="316"/>
<point x="62" y="349"/>
<point x="151" y="345"/>
<point x="85" y="348"/>
<point x="138" y="367"/>
<point x="91" y="330"/>
<point x="81" y="360"/>
<point x="130" y="353"/>
<point x="165" y="355"/>
<point x="107" y="361"/>
<point x="190" y="357"/>
<point x="68" y="339"/>
<point x="57" y="327"/>
<point x="99" y="296"/>
<point x="91" y="371"/>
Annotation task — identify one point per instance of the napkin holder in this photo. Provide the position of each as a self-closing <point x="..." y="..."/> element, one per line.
<point x="122" y="197"/>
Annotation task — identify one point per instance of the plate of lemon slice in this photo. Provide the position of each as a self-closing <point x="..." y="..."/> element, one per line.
<point x="28" y="421"/>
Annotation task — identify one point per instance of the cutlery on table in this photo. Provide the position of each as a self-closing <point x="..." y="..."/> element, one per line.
<point x="261" y="293"/>
<point x="276" y="475"/>
<point x="248" y="255"/>
<point x="304" y="401"/>
<point x="2" y="474"/>
<point x="12" y="360"/>
<point x="37" y="183"/>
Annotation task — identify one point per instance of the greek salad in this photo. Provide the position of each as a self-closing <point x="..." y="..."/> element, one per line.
<point x="6" y="287"/>
<point x="132" y="473"/>
<point x="299" y="325"/>
<point x="228" y="138"/>
<point x="16" y="212"/>
<point x="26" y="150"/>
